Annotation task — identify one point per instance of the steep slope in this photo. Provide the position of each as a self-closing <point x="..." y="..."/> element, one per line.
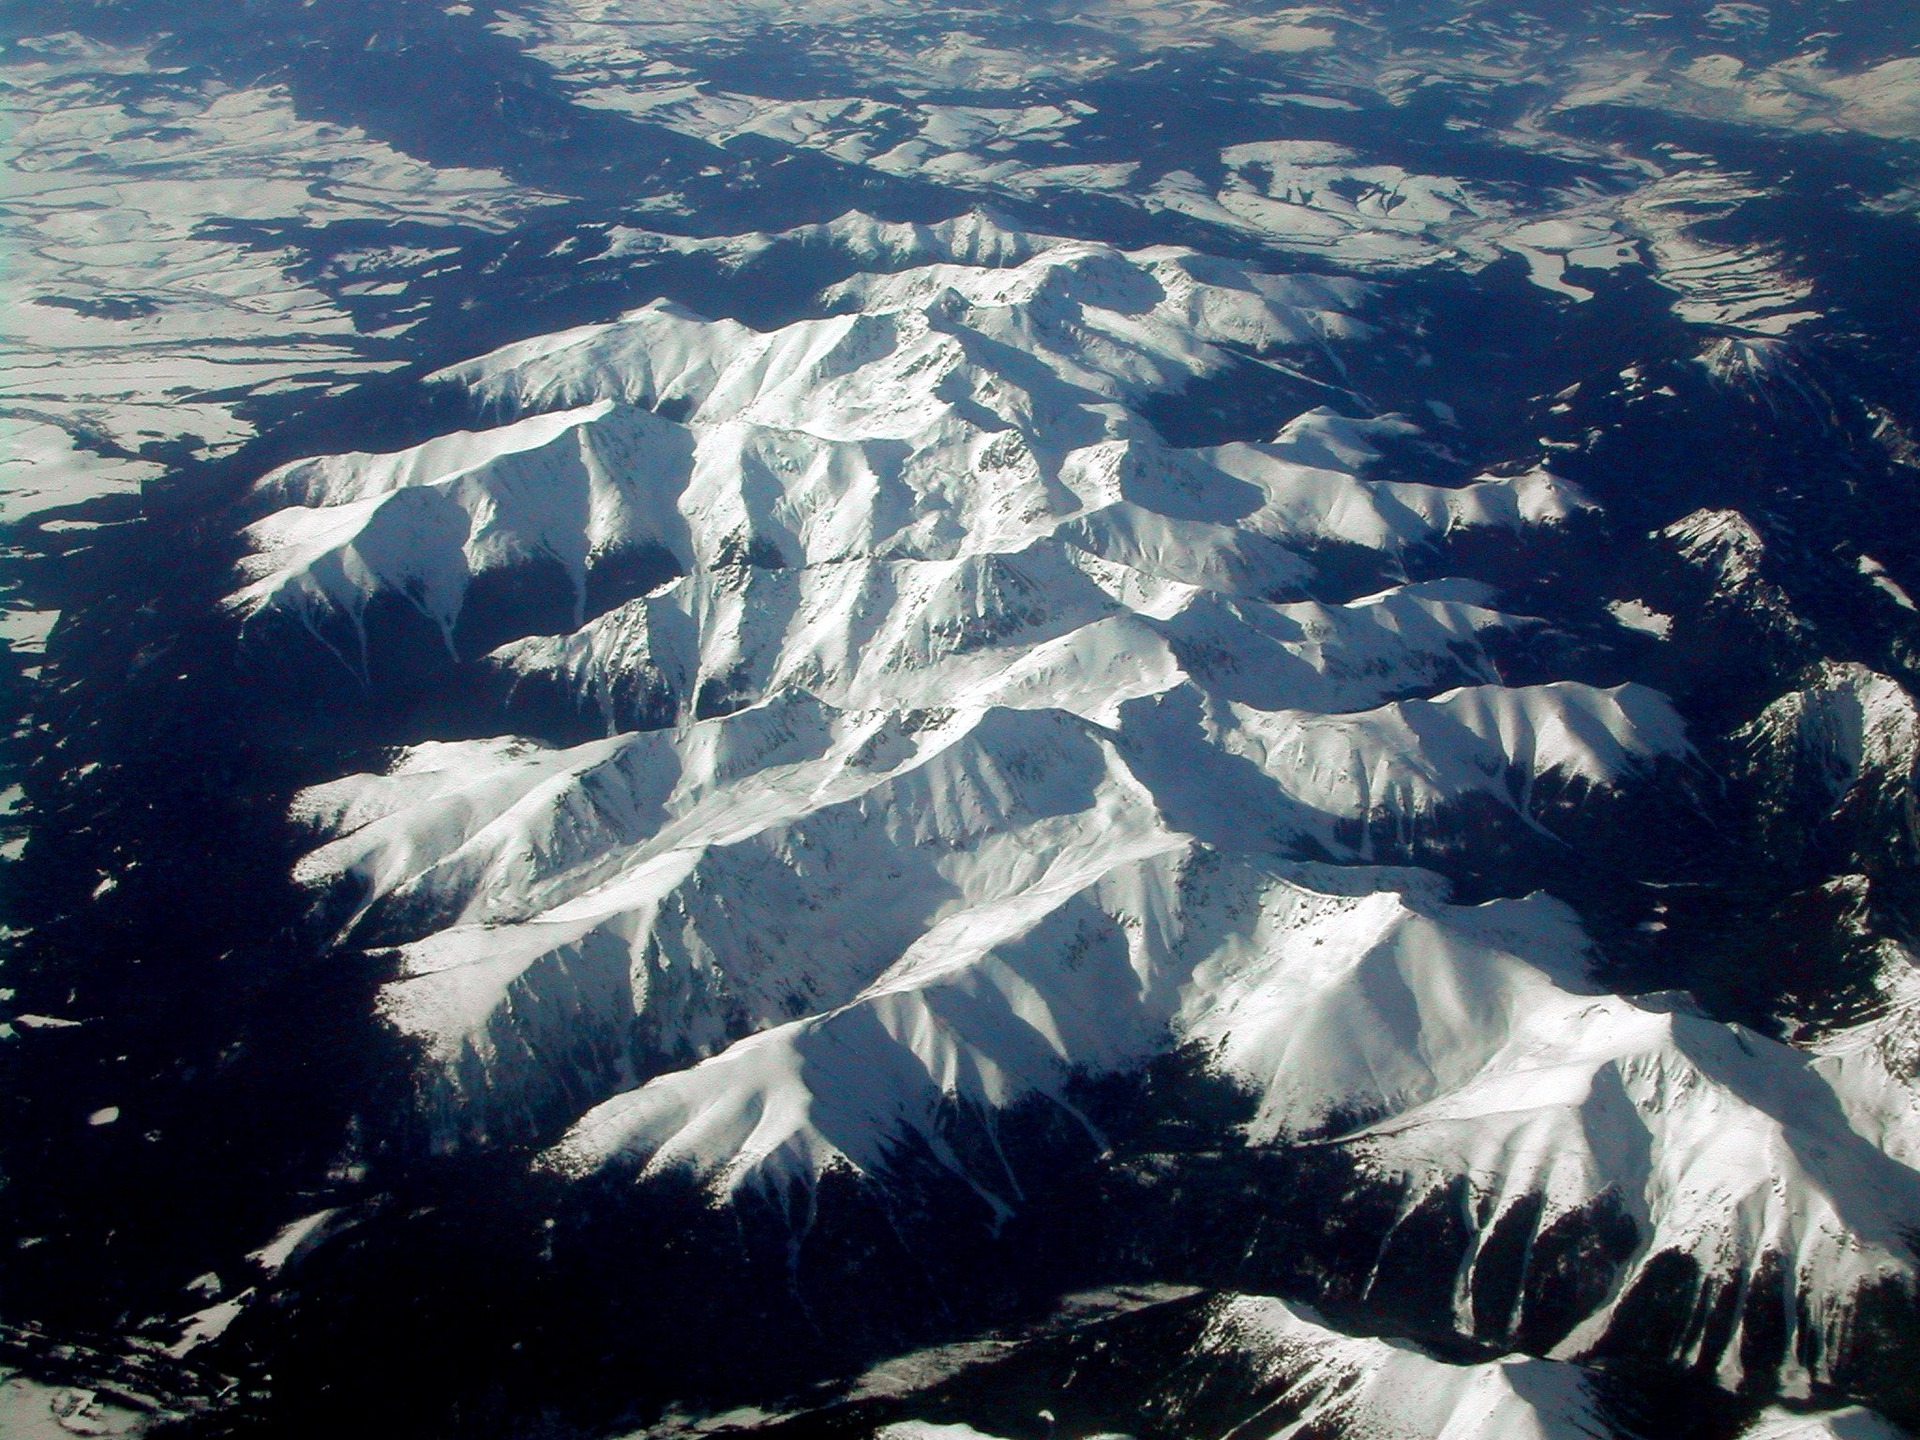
<point x="506" y="850"/>
<point x="1315" y="1380"/>
<point x="1048" y="625"/>
<point x="1834" y="765"/>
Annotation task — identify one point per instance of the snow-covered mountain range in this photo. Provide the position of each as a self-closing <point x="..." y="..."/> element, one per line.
<point x="967" y="744"/>
<point x="1158" y="719"/>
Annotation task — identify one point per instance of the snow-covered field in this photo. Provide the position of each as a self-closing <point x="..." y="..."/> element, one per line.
<point x="129" y="319"/>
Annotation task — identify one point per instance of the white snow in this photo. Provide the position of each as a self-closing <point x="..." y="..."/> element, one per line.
<point x="1800" y="93"/>
<point x="1355" y="1386"/>
<point x="129" y="319"/>
<point x="293" y="1239"/>
<point x="209" y="1324"/>
<point x="108" y="200"/>
<point x="1877" y="573"/>
<point x="1413" y="758"/>
<point x="1722" y="539"/>
<point x="927" y="1430"/>
<point x="1855" y="1422"/>
<point x="1851" y="725"/>
<point x="978" y="237"/>
<point x="33" y="1410"/>
<point x="1471" y="1032"/>
<point x="1315" y="197"/>
<point x="947" y="590"/>
<point x="1874" y="1067"/>
<point x="1311" y="196"/>
<point x="1738" y="287"/>
<point x="1638" y="615"/>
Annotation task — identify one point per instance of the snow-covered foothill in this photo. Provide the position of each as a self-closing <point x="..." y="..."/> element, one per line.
<point x="1874" y="1066"/>
<point x="1110" y="324"/>
<point x="702" y="885"/>
<point x="1855" y="1422"/>
<point x="1048" y="626"/>
<point x="1723" y="551"/>
<point x="1412" y="759"/>
<point x="1339" y="1384"/>
<point x="1849" y="739"/>
<point x="976" y="237"/>
<point x="1721" y="542"/>
<point x="928" y="1430"/>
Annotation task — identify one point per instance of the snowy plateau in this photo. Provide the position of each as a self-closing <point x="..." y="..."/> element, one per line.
<point x="1165" y="719"/>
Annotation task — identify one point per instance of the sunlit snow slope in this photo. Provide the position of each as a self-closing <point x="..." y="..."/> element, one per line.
<point x="925" y="737"/>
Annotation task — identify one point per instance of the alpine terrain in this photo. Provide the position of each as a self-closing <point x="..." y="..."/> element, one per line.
<point x="1002" y="722"/>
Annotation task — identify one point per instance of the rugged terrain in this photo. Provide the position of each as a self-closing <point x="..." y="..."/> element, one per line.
<point x="1093" y="767"/>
